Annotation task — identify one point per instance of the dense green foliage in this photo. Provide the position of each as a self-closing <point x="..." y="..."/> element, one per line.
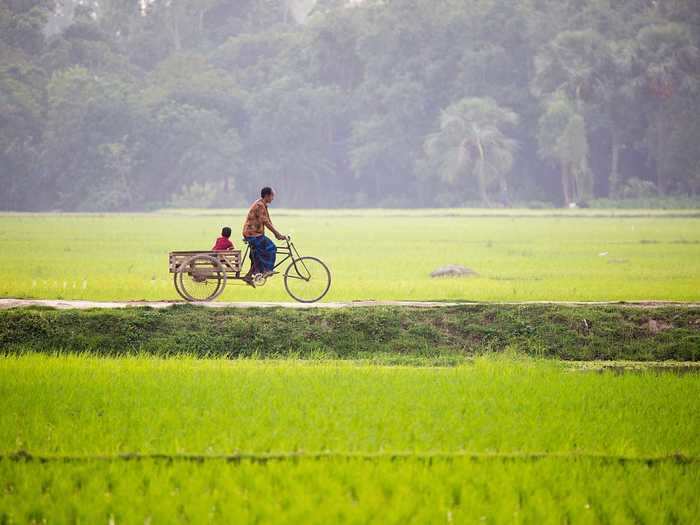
<point x="446" y="334"/>
<point x="130" y="105"/>
<point x="584" y="255"/>
<point x="73" y="407"/>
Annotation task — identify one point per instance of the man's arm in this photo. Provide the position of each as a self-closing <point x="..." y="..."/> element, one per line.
<point x="268" y="224"/>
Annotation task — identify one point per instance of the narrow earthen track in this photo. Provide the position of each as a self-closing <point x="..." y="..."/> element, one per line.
<point x="85" y="305"/>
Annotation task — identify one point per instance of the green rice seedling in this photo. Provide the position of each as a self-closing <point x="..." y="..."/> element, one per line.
<point x="349" y="491"/>
<point x="493" y="440"/>
<point x="81" y="405"/>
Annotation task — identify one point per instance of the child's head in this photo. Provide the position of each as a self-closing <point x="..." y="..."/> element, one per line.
<point x="226" y="232"/>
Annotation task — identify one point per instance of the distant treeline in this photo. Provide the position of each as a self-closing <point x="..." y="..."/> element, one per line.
<point x="132" y="104"/>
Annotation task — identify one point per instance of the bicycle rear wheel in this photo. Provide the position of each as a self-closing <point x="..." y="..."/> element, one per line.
<point x="202" y="278"/>
<point x="307" y="279"/>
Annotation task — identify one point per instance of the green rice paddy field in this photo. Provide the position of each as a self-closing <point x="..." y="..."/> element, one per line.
<point x="496" y="438"/>
<point x="145" y="440"/>
<point x="519" y="255"/>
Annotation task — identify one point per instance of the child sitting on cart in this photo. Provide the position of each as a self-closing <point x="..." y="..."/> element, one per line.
<point x="223" y="243"/>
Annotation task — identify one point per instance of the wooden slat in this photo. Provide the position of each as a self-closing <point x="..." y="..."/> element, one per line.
<point x="206" y="252"/>
<point x="230" y="259"/>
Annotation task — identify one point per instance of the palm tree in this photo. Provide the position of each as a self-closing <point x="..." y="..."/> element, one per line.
<point x="471" y="141"/>
<point x="563" y="141"/>
<point x="670" y="64"/>
<point x="575" y="73"/>
<point x="575" y="63"/>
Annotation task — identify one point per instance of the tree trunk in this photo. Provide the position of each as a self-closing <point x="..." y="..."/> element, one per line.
<point x="565" y="183"/>
<point x="175" y="31"/>
<point x="614" y="180"/>
<point x="377" y="186"/>
<point x="285" y="12"/>
<point x="483" y="193"/>
<point x="481" y="174"/>
<point x="503" y="190"/>
<point x="662" y="133"/>
<point x="574" y="192"/>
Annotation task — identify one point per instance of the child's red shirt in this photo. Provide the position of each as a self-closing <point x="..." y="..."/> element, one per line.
<point x="222" y="243"/>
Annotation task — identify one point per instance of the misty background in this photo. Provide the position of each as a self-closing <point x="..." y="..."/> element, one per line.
<point x="141" y="104"/>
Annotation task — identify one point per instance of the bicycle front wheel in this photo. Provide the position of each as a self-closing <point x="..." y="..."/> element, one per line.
<point x="307" y="279"/>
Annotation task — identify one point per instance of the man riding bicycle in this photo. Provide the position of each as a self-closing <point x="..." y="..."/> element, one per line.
<point x="264" y="250"/>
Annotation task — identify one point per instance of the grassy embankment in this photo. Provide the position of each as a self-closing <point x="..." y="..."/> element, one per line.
<point x="373" y="254"/>
<point x="386" y="334"/>
<point x="495" y="440"/>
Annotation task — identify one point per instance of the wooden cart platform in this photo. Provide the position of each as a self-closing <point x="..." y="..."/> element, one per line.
<point x="230" y="260"/>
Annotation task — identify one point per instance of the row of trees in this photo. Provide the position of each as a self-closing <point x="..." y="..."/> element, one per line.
<point x="132" y="104"/>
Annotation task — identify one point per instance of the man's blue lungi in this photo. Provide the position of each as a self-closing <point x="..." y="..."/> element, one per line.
<point x="265" y="252"/>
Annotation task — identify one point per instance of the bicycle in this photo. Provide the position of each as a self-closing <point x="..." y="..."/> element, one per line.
<point x="202" y="275"/>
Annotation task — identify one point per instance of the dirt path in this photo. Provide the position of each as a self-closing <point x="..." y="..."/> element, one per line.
<point x="84" y="305"/>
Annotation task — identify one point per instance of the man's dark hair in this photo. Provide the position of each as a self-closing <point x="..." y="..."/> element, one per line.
<point x="265" y="191"/>
<point x="226" y="232"/>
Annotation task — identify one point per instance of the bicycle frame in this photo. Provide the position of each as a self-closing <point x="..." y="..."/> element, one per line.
<point x="289" y="252"/>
